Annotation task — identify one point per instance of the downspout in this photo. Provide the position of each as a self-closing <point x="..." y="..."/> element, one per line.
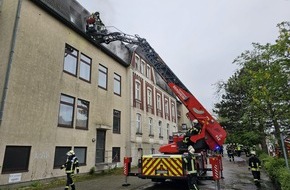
<point x="7" y="76"/>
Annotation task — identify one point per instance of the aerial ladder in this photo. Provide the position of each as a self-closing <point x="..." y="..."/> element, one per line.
<point x="212" y="134"/>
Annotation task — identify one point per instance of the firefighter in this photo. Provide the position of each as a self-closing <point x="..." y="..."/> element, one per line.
<point x="230" y="150"/>
<point x="70" y="166"/>
<point x="94" y="23"/>
<point x="194" y="130"/>
<point x="189" y="160"/>
<point x="255" y="166"/>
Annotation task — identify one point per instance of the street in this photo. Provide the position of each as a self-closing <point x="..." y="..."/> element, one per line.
<point x="236" y="177"/>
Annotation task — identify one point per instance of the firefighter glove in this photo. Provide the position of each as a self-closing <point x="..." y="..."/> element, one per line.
<point x="62" y="167"/>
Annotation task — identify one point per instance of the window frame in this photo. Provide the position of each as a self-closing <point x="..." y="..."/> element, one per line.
<point x="68" y="52"/>
<point x="150" y="124"/>
<point x="138" y="123"/>
<point x="62" y="102"/>
<point x="60" y="156"/>
<point x="87" y="109"/>
<point x="137" y="90"/>
<point x="80" y="158"/>
<point x="116" y="126"/>
<point x="149" y="96"/>
<point x="117" y="81"/>
<point x="137" y="62"/>
<point x="148" y="71"/>
<point x="16" y="154"/>
<point x="118" y="150"/>
<point x="160" y="129"/>
<point x="105" y="73"/>
<point x="89" y="64"/>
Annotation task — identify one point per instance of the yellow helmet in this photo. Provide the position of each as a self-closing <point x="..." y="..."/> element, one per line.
<point x="70" y="153"/>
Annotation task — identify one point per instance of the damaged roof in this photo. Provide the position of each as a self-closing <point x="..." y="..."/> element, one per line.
<point x="73" y="15"/>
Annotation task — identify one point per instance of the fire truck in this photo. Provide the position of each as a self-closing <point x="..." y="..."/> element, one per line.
<point x="169" y="164"/>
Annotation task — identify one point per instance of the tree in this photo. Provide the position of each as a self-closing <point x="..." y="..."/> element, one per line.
<point x="257" y="96"/>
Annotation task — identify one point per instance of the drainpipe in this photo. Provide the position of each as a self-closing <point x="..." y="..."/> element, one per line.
<point x="7" y="76"/>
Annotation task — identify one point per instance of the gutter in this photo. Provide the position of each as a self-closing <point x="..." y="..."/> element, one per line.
<point x="10" y="61"/>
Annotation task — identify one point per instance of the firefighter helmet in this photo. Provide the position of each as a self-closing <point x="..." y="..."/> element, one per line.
<point x="194" y="122"/>
<point x="70" y="153"/>
<point x="253" y="152"/>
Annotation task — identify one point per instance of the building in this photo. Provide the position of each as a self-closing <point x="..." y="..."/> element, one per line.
<point x="153" y="109"/>
<point x="59" y="91"/>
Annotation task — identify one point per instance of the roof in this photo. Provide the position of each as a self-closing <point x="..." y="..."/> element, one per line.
<point x="73" y="15"/>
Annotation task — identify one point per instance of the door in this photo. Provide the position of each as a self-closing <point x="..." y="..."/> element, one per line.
<point x="100" y="146"/>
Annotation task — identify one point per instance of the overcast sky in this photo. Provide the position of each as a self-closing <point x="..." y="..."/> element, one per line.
<point x="198" y="39"/>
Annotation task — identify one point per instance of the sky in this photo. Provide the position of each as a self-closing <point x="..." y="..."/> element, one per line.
<point x="197" y="39"/>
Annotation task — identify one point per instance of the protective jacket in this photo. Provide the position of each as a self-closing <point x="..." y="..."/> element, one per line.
<point x="71" y="164"/>
<point x="254" y="163"/>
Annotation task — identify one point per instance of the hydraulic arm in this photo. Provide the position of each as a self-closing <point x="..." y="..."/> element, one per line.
<point x="212" y="134"/>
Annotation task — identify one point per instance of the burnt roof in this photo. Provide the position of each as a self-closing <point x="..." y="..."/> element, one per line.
<point x="74" y="15"/>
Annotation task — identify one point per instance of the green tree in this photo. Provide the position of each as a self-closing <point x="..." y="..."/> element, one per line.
<point x="257" y="96"/>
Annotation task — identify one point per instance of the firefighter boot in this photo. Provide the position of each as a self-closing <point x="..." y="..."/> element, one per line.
<point x="73" y="187"/>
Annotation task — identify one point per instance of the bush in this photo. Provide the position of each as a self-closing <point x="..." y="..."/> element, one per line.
<point x="284" y="178"/>
<point x="276" y="168"/>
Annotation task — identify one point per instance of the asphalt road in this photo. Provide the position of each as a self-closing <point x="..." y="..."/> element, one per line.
<point x="236" y="177"/>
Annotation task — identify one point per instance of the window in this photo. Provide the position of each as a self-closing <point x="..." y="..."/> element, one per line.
<point x="142" y="67"/>
<point x="60" y="156"/>
<point x="173" y="110"/>
<point x="117" y="84"/>
<point x="167" y="130"/>
<point x="150" y="123"/>
<point x="160" y="129"/>
<point x="116" y="121"/>
<point x="116" y="154"/>
<point x="16" y="159"/>
<point x="81" y="154"/>
<point x="166" y="106"/>
<point x="158" y="101"/>
<point x="70" y="60"/>
<point x="82" y="114"/>
<point x="148" y="72"/>
<point x="137" y="90"/>
<point x="85" y="68"/>
<point x="66" y="110"/>
<point x="138" y="124"/>
<point x="137" y="62"/>
<point x="149" y="96"/>
<point x="103" y="73"/>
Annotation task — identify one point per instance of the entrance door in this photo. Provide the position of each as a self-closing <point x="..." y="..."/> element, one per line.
<point x="100" y="146"/>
